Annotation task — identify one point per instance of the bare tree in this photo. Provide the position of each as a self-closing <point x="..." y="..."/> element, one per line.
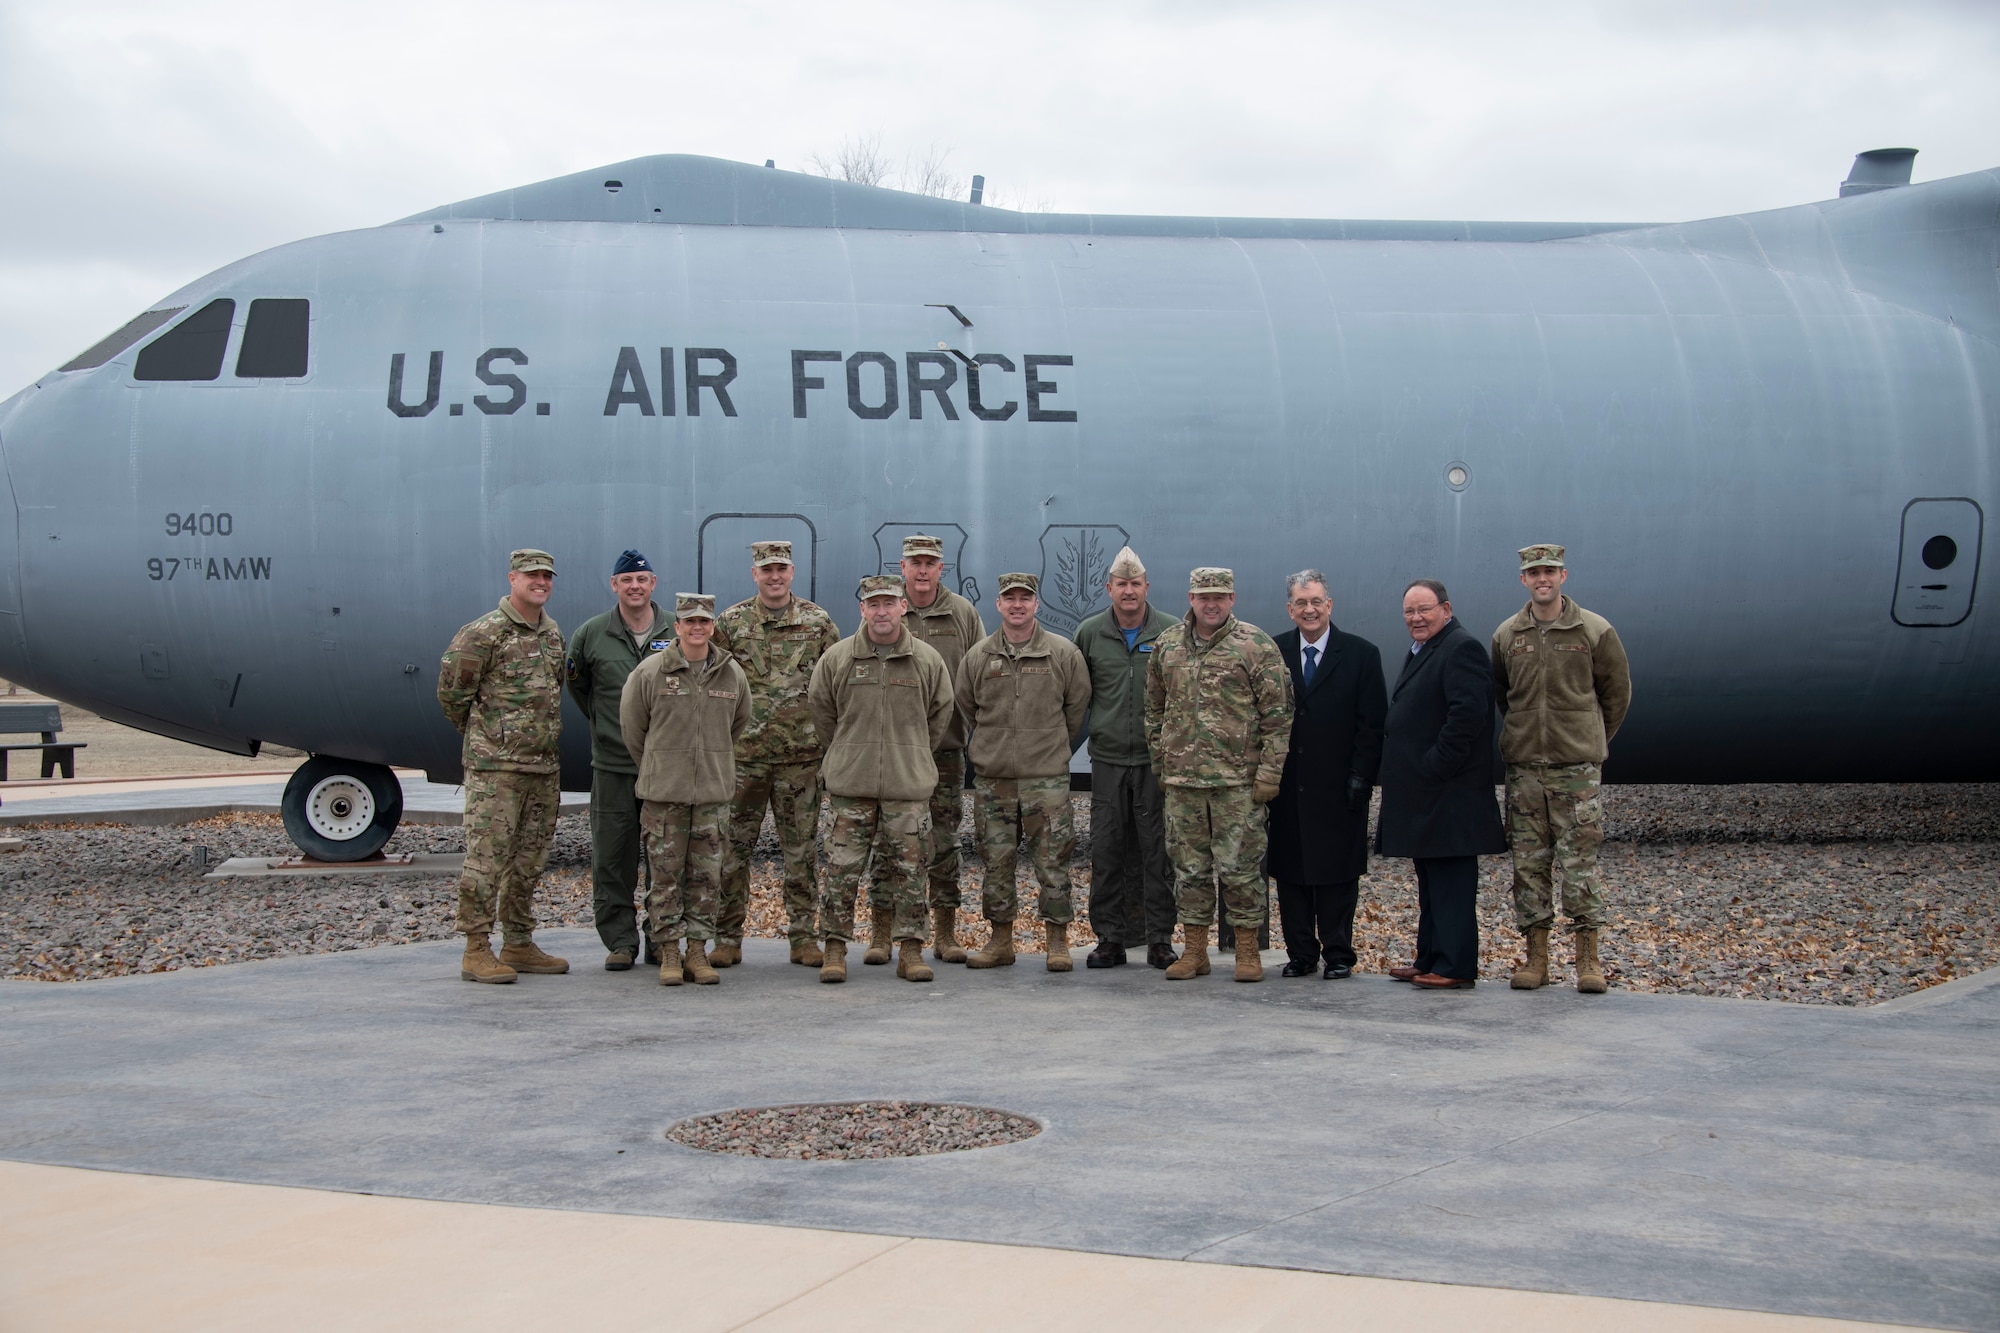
<point x="1018" y="200"/>
<point x="928" y="175"/>
<point x="859" y="159"/>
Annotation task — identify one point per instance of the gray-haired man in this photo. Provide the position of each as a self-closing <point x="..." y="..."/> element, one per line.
<point x="1131" y="882"/>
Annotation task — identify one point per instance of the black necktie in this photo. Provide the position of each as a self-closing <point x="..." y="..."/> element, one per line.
<point x="1312" y="655"/>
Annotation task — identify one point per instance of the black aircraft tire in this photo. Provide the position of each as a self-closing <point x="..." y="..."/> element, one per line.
<point x="341" y="809"/>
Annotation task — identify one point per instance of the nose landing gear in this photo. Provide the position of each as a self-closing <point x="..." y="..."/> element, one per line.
<point x="342" y="809"/>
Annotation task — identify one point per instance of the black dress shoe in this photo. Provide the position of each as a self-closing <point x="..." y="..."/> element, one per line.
<point x="1299" y="969"/>
<point x="1161" y="956"/>
<point x="1337" y="972"/>
<point x="1105" y="955"/>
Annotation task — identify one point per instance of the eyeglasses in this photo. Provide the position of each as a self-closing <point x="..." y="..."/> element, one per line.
<point x="1421" y="612"/>
<point x="1312" y="601"/>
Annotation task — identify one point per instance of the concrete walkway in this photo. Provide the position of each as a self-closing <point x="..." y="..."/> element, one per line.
<point x="86" y="1249"/>
<point x="182" y="800"/>
<point x="1727" y="1154"/>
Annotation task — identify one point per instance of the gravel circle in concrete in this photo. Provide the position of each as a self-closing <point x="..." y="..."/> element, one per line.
<point x="832" y="1131"/>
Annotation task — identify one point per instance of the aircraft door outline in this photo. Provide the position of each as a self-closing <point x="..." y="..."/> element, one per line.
<point x="701" y="571"/>
<point x="1937" y="564"/>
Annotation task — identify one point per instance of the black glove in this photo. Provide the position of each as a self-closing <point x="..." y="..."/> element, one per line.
<point x="1357" y="795"/>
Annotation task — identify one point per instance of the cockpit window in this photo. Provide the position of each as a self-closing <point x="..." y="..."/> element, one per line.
<point x="192" y="349"/>
<point x="275" y="339"/>
<point x="132" y="332"/>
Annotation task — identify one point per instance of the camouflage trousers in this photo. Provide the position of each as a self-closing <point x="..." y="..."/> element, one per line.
<point x="1009" y="811"/>
<point x="684" y="851"/>
<point x="509" y="819"/>
<point x="887" y="841"/>
<point x="791" y="791"/>
<point x="1554" y="818"/>
<point x="947" y="812"/>
<point x="1216" y="835"/>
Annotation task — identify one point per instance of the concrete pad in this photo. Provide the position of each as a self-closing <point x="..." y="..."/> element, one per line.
<point x="1719" y="1153"/>
<point x="285" y="867"/>
<point x="157" y="802"/>
<point x="86" y="1248"/>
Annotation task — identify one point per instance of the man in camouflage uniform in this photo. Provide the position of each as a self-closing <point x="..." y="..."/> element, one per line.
<point x="881" y="703"/>
<point x="777" y="639"/>
<point x="602" y="653"/>
<point x="1563" y="686"/>
<point x="1218" y="722"/>
<point x="500" y="683"/>
<point x="949" y="624"/>
<point x="1024" y="693"/>
<point x="680" y="714"/>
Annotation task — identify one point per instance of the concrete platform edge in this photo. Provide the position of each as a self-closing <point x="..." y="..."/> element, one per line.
<point x="173" y="1230"/>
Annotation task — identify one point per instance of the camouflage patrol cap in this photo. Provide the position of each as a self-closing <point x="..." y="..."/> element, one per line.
<point x="694" y="606"/>
<point x="1126" y="565"/>
<point x="1547" y="553"/>
<point x="770" y="553"/>
<point x="918" y="543"/>
<point x="528" y="560"/>
<point x="1209" y="578"/>
<point x="879" y="585"/>
<point x="1026" y="581"/>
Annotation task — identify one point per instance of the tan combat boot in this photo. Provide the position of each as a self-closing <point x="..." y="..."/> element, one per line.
<point x="1533" y="974"/>
<point x="527" y="956"/>
<point x="807" y="954"/>
<point x="999" y="951"/>
<point x="697" y="965"/>
<point x="944" y="936"/>
<point x="479" y="964"/>
<point x="1057" y="935"/>
<point x="1193" y="961"/>
<point x="1589" y="972"/>
<point x="833" y="964"/>
<point x="670" y="962"/>
<point x="910" y="964"/>
<point x="879" y="944"/>
<point x="728" y="953"/>
<point x="1249" y="963"/>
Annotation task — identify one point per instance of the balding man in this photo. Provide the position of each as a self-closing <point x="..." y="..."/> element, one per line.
<point x="1131" y="883"/>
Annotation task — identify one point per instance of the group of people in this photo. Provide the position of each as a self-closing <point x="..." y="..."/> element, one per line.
<point x="1219" y="756"/>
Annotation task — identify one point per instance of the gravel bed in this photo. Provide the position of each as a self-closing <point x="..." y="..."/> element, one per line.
<point x="831" y="1131"/>
<point x="105" y="900"/>
<point x="1840" y="894"/>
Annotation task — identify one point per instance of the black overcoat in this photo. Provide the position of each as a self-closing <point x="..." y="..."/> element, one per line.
<point x="1437" y="753"/>
<point x="1336" y="734"/>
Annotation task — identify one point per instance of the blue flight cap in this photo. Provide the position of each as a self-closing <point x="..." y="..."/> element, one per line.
<point x="631" y="562"/>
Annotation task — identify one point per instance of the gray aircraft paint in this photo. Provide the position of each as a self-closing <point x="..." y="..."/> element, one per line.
<point x="1727" y="422"/>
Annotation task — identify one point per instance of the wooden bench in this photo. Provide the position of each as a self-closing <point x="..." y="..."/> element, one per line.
<point x="16" y="719"/>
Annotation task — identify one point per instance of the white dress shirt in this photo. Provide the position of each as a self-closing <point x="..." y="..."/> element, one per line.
<point x="1318" y="647"/>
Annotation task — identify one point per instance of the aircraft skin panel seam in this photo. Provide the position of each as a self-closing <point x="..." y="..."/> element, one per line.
<point x="1797" y="274"/>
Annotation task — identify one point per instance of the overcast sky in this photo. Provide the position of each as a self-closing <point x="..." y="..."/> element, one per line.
<point x="144" y="144"/>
